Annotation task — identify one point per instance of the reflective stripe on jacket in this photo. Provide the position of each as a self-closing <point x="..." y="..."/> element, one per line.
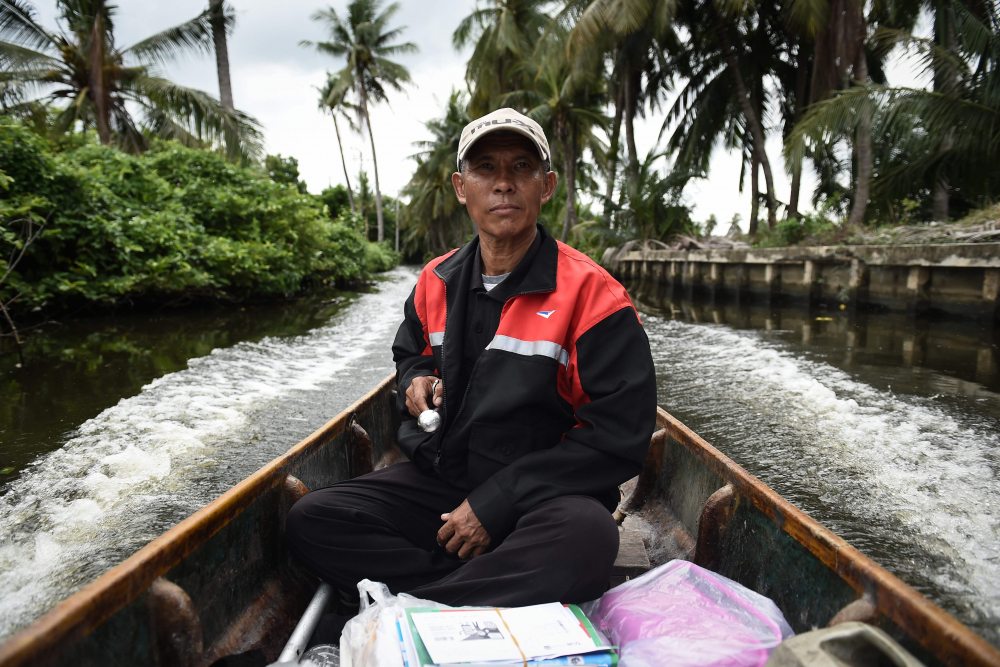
<point x="561" y="402"/>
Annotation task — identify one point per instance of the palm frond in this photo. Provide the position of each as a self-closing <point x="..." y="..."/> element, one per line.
<point x="236" y="133"/>
<point x="191" y="36"/>
<point x="18" y="26"/>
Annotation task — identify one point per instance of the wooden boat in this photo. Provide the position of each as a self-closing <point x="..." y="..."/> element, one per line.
<point x="221" y="584"/>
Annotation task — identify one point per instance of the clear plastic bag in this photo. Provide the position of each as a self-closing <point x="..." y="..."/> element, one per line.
<point x="685" y="616"/>
<point x="371" y="639"/>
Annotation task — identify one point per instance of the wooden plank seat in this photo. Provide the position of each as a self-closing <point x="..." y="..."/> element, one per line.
<point x="632" y="559"/>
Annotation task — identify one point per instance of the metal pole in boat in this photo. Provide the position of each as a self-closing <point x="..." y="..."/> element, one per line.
<point x="397" y="222"/>
<point x="296" y="645"/>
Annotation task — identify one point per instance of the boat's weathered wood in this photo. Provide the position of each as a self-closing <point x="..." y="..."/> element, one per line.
<point x="175" y="628"/>
<point x="943" y="636"/>
<point x="712" y="527"/>
<point x="862" y="609"/>
<point x="59" y="630"/>
<point x="632" y="559"/>
<point x="650" y="475"/>
<point x="359" y="450"/>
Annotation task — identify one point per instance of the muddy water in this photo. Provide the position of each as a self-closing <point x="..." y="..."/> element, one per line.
<point x="117" y="430"/>
<point x="884" y="428"/>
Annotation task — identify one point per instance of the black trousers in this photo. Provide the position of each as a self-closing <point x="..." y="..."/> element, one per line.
<point x="383" y="526"/>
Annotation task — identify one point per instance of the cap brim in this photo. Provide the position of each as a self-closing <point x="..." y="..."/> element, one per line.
<point x="503" y="127"/>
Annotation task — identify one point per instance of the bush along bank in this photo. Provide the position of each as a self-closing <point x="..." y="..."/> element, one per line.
<point x="173" y="222"/>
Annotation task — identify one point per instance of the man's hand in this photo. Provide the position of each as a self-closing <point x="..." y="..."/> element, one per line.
<point x="419" y="391"/>
<point x="462" y="533"/>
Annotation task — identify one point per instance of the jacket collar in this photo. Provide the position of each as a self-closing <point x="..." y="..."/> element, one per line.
<point x="541" y="277"/>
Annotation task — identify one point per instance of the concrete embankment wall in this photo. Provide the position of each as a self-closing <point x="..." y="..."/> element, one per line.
<point x="959" y="279"/>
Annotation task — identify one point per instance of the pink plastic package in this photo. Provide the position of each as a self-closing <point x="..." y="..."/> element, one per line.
<point x="685" y="616"/>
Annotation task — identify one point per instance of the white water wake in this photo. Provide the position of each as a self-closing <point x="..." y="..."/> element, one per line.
<point x="143" y="465"/>
<point x="911" y="479"/>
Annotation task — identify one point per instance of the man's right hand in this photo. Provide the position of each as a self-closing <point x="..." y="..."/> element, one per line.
<point x="419" y="391"/>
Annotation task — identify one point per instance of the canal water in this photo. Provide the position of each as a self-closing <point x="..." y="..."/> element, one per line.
<point x="883" y="428"/>
<point x="118" y="429"/>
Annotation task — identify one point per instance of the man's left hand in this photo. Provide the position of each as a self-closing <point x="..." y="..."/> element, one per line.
<point x="462" y="533"/>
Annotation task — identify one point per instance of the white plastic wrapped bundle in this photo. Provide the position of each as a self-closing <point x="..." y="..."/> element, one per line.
<point x="370" y="639"/>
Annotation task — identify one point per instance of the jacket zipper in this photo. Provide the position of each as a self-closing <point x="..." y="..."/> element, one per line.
<point x="444" y="388"/>
<point x="473" y="371"/>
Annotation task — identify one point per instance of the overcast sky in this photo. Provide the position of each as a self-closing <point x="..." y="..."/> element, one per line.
<point x="274" y="79"/>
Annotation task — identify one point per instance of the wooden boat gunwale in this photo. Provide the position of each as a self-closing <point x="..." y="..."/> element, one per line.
<point x="86" y="610"/>
<point x="940" y="633"/>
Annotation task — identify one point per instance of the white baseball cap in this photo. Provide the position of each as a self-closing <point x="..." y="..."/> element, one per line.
<point x="499" y="120"/>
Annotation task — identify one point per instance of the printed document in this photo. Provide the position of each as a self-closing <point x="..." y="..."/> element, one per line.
<point x="505" y="635"/>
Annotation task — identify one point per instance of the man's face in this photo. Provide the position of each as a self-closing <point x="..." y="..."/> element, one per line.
<point x="504" y="185"/>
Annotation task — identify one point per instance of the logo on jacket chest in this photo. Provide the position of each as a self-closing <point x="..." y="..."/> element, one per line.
<point x="545" y="313"/>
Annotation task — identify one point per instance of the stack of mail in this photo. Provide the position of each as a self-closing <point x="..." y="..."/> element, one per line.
<point x="545" y="634"/>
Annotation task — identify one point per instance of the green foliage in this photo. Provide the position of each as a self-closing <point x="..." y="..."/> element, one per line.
<point x="284" y="170"/>
<point x="817" y="228"/>
<point x="336" y="200"/>
<point x="170" y="222"/>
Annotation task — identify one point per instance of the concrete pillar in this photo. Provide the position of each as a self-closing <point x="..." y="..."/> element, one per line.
<point x="915" y="348"/>
<point x="857" y="288"/>
<point x="991" y="294"/>
<point x="717" y="287"/>
<point x="772" y="280"/>
<point x="918" y="289"/>
<point x="986" y="365"/>
<point x="692" y="279"/>
<point x="810" y="281"/>
<point x="742" y="282"/>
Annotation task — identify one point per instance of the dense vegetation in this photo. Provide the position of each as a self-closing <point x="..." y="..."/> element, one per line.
<point x="171" y="222"/>
<point x="730" y="74"/>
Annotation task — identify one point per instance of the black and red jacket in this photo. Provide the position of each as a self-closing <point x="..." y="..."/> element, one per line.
<point x="561" y="402"/>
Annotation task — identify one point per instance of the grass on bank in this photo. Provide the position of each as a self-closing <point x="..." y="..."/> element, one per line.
<point x="173" y="222"/>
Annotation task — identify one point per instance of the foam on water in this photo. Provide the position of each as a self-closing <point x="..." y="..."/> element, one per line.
<point x="909" y="478"/>
<point x="143" y="465"/>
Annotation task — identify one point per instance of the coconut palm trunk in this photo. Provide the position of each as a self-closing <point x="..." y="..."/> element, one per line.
<point x="946" y="80"/>
<point x="754" y="195"/>
<point x="752" y="119"/>
<point x="616" y="128"/>
<point x="631" y="98"/>
<point x="863" y="144"/>
<point x="97" y="75"/>
<point x="378" y="190"/>
<point x="343" y="163"/>
<point x="801" y="83"/>
<point x="569" y="161"/>
<point x="221" y="52"/>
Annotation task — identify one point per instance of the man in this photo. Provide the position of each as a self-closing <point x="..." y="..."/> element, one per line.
<point x="542" y="374"/>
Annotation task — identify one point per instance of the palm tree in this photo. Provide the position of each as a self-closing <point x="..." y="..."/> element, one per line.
<point x="365" y="40"/>
<point x="436" y="221"/>
<point x="650" y="206"/>
<point x="218" y="10"/>
<point x="336" y="104"/>
<point x="505" y="34"/>
<point x="81" y="65"/>
<point x="568" y="102"/>
<point x="638" y="35"/>
<point x="913" y="123"/>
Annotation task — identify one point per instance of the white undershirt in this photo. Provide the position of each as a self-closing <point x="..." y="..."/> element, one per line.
<point x="489" y="282"/>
